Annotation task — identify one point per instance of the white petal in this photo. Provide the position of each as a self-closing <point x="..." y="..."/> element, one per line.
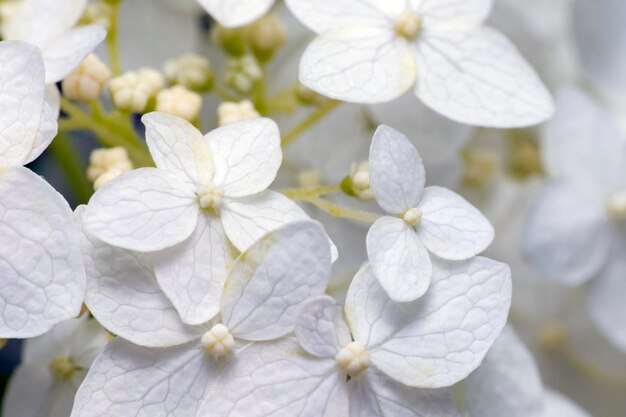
<point x="178" y="147"/>
<point x="66" y="52"/>
<point x="320" y="329"/>
<point x="323" y="15"/>
<point x="397" y="173"/>
<point x="21" y="100"/>
<point x="192" y="273"/>
<point x="479" y="78"/>
<point x="123" y="294"/>
<point x="567" y="237"/>
<point x="246" y="155"/>
<point x="439" y="339"/>
<point x="43" y="278"/>
<point x="507" y="383"/>
<point x="33" y="392"/>
<point x="451" y="14"/>
<point x="133" y="381"/>
<point x="399" y="259"/>
<point x="48" y="126"/>
<point x="234" y="13"/>
<point x="273" y="279"/>
<point x="359" y="64"/>
<point x="557" y="405"/>
<point x="40" y="21"/>
<point x="374" y="394"/>
<point x="278" y="380"/>
<point x="450" y="227"/>
<point x="605" y="297"/>
<point x="247" y="219"/>
<point x="145" y="210"/>
<point x="583" y="143"/>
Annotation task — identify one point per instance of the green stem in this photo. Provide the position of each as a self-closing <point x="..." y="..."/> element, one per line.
<point x="65" y="153"/>
<point x="337" y="210"/>
<point x="306" y="193"/>
<point x="310" y="121"/>
<point x="109" y="130"/>
<point x="112" y="41"/>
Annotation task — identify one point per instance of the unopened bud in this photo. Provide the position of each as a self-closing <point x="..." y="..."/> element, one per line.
<point x="180" y="102"/>
<point x="231" y="40"/>
<point x="231" y="112"/>
<point x="191" y="71"/>
<point x="87" y="81"/>
<point x="105" y="178"/>
<point x="242" y="73"/>
<point x="266" y="36"/>
<point x="218" y="341"/>
<point x="130" y="92"/>
<point x="357" y="184"/>
<point x="104" y="160"/>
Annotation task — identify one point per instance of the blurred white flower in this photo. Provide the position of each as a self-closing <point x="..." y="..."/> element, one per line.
<point x="234" y="13"/>
<point x="53" y="367"/>
<point x="420" y="220"/>
<point x="575" y="231"/>
<point x="373" y="52"/>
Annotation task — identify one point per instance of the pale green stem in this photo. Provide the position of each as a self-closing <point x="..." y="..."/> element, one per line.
<point x="310" y="121"/>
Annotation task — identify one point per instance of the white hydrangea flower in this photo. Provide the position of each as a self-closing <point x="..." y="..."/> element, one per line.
<point x="374" y="51"/>
<point x="395" y="354"/>
<point x="420" y="220"/>
<point x="267" y="287"/>
<point x="50" y="25"/>
<point x="205" y="192"/>
<point x="53" y="367"/>
<point x="575" y="231"/>
<point x="508" y="383"/>
<point x="235" y="13"/>
<point x="43" y="278"/>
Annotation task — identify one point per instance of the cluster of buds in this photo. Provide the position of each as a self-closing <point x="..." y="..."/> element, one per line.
<point x="97" y="12"/>
<point x="180" y="102"/>
<point x="231" y="112"/>
<point x="242" y="73"/>
<point x="191" y="71"/>
<point x="357" y="184"/>
<point x="262" y="39"/>
<point x="106" y="164"/>
<point x="481" y="167"/>
<point x="132" y="91"/>
<point x="87" y="81"/>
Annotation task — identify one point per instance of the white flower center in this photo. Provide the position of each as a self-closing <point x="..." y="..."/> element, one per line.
<point x="408" y="24"/>
<point x="210" y="196"/>
<point x="413" y="216"/>
<point x="616" y="206"/>
<point x="218" y="341"/>
<point x="62" y="368"/>
<point x="353" y="359"/>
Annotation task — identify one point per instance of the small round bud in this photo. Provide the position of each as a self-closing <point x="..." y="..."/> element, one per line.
<point x="231" y="40"/>
<point x="105" y="178"/>
<point x="218" y="341"/>
<point x="353" y="359"/>
<point x="242" y="73"/>
<point x="266" y="36"/>
<point x="152" y="78"/>
<point x="616" y="206"/>
<point x="180" y="102"/>
<point x="231" y="112"/>
<point x="130" y="92"/>
<point x="408" y="24"/>
<point x="87" y="81"/>
<point x="413" y="216"/>
<point x="357" y="184"/>
<point x="106" y="159"/>
<point x="191" y="71"/>
<point x="210" y="196"/>
<point x="62" y="368"/>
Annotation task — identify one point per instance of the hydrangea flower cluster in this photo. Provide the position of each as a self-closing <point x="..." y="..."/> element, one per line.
<point x="255" y="216"/>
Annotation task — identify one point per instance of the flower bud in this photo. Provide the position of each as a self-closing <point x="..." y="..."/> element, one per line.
<point x="191" y="71"/>
<point x="231" y="40"/>
<point x="266" y="36"/>
<point x="357" y="184"/>
<point x="218" y="341"/>
<point x="87" y="81"/>
<point x="97" y="13"/>
<point x="130" y="93"/>
<point x="231" y="112"/>
<point x="106" y="178"/>
<point x="104" y="160"/>
<point x="180" y="102"/>
<point x="242" y="73"/>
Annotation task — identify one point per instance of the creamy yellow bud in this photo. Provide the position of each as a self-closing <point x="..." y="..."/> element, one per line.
<point x="87" y="81"/>
<point x="180" y="102"/>
<point x="266" y="36"/>
<point x="413" y="216"/>
<point x="353" y="359"/>
<point x="231" y="112"/>
<point x="62" y="368"/>
<point x="242" y="73"/>
<point x="106" y="178"/>
<point x="106" y="159"/>
<point x="191" y="71"/>
<point x="408" y="24"/>
<point x="218" y="341"/>
<point x="210" y="196"/>
<point x="130" y="92"/>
